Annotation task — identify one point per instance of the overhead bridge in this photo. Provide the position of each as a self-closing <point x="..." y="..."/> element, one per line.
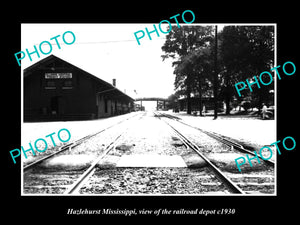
<point x="160" y="103"/>
<point x="151" y="99"/>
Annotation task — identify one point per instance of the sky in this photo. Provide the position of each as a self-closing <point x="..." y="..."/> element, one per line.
<point x="107" y="51"/>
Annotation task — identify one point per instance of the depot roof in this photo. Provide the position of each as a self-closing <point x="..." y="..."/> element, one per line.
<point x="56" y="61"/>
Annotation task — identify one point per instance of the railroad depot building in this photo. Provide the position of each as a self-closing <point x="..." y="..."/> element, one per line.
<point x="57" y="90"/>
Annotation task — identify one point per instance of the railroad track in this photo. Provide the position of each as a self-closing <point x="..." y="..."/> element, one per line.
<point x="221" y="176"/>
<point x="237" y="183"/>
<point x="71" y="145"/>
<point x="154" y="180"/>
<point x="94" y="180"/>
<point x="41" y="179"/>
<point x="75" y="187"/>
<point x="230" y="143"/>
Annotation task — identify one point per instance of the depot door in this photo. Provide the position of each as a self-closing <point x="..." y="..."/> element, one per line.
<point x="57" y="105"/>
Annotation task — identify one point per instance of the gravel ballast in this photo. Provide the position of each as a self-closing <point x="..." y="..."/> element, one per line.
<point x="153" y="181"/>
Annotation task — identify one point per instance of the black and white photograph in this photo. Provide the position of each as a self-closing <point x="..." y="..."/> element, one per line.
<point x="169" y="114"/>
<point x="138" y="112"/>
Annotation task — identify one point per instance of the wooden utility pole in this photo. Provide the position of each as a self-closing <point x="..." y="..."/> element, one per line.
<point x="216" y="75"/>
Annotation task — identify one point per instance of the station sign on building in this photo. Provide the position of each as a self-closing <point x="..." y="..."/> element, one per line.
<point x="57" y="90"/>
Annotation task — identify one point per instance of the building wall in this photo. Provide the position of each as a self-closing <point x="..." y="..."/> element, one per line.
<point x="104" y="106"/>
<point x="195" y="104"/>
<point x="68" y="93"/>
<point x="59" y="98"/>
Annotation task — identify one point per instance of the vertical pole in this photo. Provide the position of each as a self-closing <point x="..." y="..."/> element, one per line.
<point x="216" y="75"/>
<point x="200" y="94"/>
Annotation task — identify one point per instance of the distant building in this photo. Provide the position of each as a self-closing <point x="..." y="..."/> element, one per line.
<point x="208" y="102"/>
<point x="57" y="90"/>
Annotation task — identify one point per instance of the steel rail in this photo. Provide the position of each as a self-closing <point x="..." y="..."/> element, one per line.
<point x="220" y="175"/>
<point x="72" y="145"/>
<point x="61" y="149"/>
<point x="230" y="143"/>
<point x="75" y="187"/>
<point x="224" y="140"/>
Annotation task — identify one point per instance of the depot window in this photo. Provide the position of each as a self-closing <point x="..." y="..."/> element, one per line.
<point x="67" y="84"/>
<point x="50" y="85"/>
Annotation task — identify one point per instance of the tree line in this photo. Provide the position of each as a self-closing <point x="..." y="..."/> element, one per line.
<point x="209" y="63"/>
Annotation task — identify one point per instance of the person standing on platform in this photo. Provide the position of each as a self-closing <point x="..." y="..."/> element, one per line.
<point x="264" y="111"/>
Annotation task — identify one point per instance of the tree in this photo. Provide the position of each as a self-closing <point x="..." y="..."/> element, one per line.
<point x="183" y="45"/>
<point x="172" y="101"/>
<point x="241" y="51"/>
<point x="200" y="68"/>
<point x="245" y="51"/>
